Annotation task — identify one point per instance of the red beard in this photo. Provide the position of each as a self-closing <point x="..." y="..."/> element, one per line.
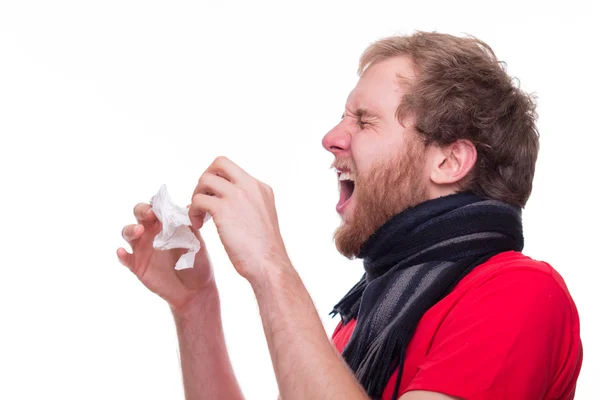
<point x="389" y="188"/>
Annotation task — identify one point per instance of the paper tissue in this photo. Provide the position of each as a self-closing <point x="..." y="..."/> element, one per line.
<point x="175" y="233"/>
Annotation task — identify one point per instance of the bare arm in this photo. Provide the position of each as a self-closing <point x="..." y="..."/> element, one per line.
<point x="205" y="364"/>
<point x="306" y="364"/>
<point x="194" y="300"/>
<point x="426" y="395"/>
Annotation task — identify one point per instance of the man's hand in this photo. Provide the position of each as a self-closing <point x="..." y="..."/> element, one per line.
<point x="194" y="300"/>
<point x="156" y="268"/>
<point x="243" y="209"/>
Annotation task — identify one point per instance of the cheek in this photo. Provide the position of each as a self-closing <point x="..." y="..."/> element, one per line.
<point x="367" y="152"/>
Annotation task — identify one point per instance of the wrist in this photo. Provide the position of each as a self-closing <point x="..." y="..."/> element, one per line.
<point x="203" y="302"/>
<point x="271" y="275"/>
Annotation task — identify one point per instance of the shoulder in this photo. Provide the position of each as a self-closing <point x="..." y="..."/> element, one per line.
<point x="519" y="270"/>
<point x="510" y="323"/>
<point x="512" y="283"/>
<point x="510" y="262"/>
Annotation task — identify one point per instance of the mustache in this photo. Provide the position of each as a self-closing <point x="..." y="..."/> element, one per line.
<point x="344" y="164"/>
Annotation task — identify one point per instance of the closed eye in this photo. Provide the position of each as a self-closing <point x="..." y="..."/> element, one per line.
<point x="361" y="122"/>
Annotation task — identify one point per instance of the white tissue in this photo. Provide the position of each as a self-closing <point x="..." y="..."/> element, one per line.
<point x="175" y="233"/>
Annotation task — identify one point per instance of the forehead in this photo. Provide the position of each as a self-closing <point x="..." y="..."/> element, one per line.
<point x="380" y="87"/>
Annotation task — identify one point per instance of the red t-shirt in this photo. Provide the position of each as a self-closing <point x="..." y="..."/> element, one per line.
<point x="508" y="330"/>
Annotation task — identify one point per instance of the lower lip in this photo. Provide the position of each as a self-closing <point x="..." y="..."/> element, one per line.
<point x="340" y="207"/>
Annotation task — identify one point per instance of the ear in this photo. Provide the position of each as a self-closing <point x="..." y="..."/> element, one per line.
<point x="453" y="162"/>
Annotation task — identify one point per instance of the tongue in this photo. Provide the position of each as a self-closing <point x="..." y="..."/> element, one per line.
<point x="346" y="189"/>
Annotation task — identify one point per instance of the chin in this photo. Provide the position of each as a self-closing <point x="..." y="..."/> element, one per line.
<point x="351" y="234"/>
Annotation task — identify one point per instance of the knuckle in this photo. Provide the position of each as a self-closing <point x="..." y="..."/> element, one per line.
<point x="203" y="183"/>
<point x="265" y="187"/>
<point x="240" y="192"/>
<point x="257" y="185"/>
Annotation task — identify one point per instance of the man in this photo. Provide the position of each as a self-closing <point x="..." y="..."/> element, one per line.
<point x="435" y="156"/>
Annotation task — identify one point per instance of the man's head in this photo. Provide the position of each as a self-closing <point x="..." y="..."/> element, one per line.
<point x="431" y="115"/>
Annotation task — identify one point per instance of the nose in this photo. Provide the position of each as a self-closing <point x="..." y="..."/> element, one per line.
<point x="337" y="141"/>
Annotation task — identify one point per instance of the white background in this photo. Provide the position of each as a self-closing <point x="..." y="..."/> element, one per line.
<point x="103" y="101"/>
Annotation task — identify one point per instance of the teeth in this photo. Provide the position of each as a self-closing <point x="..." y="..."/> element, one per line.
<point x="346" y="176"/>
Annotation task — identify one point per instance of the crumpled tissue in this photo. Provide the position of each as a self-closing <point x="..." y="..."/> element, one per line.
<point x="175" y="233"/>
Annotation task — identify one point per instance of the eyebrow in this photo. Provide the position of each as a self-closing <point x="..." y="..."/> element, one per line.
<point x="365" y="112"/>
<point x="362" y="112"/>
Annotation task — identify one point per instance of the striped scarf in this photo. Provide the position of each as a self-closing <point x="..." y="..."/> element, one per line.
<point x="411" y="263"/>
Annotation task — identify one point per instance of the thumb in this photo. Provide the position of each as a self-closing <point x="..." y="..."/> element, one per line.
<point x="197" y="220"/>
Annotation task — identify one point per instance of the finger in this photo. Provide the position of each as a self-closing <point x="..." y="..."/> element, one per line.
<point x="210" y="184"/>
<point x="206" y="217"/>
<point x="124" y="257"/>
<point x="143" y="213"/>
<point x="131" y="233"/>
<point x="201" y="205"/>
<point x="224" y="167"/>
<point x="196" y="233"/>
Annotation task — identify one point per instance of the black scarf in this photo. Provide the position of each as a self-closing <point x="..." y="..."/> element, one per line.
<point x="411" y="263"/>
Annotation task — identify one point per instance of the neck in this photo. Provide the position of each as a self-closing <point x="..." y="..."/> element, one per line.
<point x="415" y="228"/>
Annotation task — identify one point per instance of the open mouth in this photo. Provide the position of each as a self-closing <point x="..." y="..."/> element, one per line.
<point x="346" y="185"/>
